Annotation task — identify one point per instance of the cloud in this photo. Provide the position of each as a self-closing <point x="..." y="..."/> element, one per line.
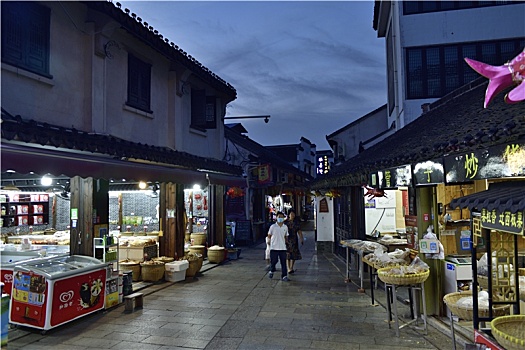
<point x="313" y="66"/>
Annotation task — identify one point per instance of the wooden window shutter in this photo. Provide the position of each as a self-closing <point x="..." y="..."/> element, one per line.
<point x="139" y="84"/>
<point x="25" y="36"/>
<point x="211" y="112"/>
<point x="198" y="108"/>
<point x="38" y="44"/>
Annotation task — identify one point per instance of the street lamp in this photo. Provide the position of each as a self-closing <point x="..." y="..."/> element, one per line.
<point x="266" y="117"/>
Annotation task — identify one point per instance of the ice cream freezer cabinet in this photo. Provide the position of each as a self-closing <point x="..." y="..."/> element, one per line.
<point x="49" y="293"/>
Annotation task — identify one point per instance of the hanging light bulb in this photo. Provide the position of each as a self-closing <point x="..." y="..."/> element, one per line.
<point x="46" y="181"/>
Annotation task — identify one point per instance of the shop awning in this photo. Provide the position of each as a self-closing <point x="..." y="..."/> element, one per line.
<point x="501" y="196"/>
<point x="24" y="160"/>
<point x="227" y="180"/>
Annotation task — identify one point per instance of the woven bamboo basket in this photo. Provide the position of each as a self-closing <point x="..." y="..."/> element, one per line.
<point x="164" y="259"/>
<point x="467" y="313"/>
<point x="194" y="266"/>
<point x="197" y="249"/>
<point x="131" y="265"/>
<point x="152" y="272"/>
<point x="198" y="238"/>
<point x="483" y="282"/>
<point x="414" y="278"/>
<point x="216" y="256"/>
<point x="509" y="331"/>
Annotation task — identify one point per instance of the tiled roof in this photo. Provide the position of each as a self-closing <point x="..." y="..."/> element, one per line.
<point x="502" y="196"/>
<point x="30" y="132"/>
<point x="263" y="153"/>
<point x="144" y="31"/>
<point x="286" y="152"/>
<point x="455" y="123"/>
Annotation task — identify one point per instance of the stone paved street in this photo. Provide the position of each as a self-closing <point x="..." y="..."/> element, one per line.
<point x="236" y="306"/>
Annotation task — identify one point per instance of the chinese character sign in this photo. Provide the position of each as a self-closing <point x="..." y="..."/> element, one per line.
<point x="264" y="174"/>
<point x="323" y="165"/>
<point x="502" y="221"/>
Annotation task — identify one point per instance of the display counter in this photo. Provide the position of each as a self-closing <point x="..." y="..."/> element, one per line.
<point x="136" y="247"/>
<point x="11" y="255"/>
<point x="61" y="238"/>
<point x="53" y="291"/>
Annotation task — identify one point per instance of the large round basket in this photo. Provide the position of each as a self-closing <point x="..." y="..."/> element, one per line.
<point x="133" y="266"/>
<point x="483" y="282"/>
<point x="164" y="259"/>
<point x="385" y="276"/>
<point x="467" y="313"/>
<point x="198" y="238"/>
<point x="197" y="249"/>
<point x="216" y="256"/>
<point x="152" y="272"/>
<point x="509" y="331"/>
<point x="194" y="266"/>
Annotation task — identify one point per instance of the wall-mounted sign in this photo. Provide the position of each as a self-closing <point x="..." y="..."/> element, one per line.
<point x="373" y="180"/>
<point x="264" y="174"/>
<point x="323" y="165"/>
<point x="502" y="221"/>
<point x="323" y="206"/>
<point x="395" y="177"/>
<point x="497" y="161"/>
<point x="430" y="172"/>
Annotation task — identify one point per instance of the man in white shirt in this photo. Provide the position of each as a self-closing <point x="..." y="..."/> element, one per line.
<point x="278" y="234"/>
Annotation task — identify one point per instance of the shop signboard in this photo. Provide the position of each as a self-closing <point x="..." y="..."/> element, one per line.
<point x="495" y="162"/>
<point x="430" y="172"/>
<point x="412" y="231"/>
<point x="243" y="230"/>
<point x="264" y="174"/>
<point x="505" y="221"/>
<point x="373" y="180"/>
<point x="323" y="165"/>
<point x="395" y="177"/>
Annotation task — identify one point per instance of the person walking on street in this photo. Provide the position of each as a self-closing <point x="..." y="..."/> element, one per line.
<point x="267" y="253"/>
<point x="295" y="235"/>
<point x="278" y="234"/>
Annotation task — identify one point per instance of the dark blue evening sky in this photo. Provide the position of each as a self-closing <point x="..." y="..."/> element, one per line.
<point x="314" y="66"/>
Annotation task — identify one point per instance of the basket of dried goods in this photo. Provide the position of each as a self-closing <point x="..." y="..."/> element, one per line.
<point x="152" y="271"/>
<point x="198" y="238"/>
<point x="216" y="254"/>
<point x="509" y="331"/>
<point x="461" y="304"/>
<point x="164" y="259"/>
<point x="417" y="272"/>
<point x="195" y="264"/>
<point x="132" y="265"/>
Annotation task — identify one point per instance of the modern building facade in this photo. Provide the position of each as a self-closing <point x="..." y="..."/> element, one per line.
<point x="427" y="41"/>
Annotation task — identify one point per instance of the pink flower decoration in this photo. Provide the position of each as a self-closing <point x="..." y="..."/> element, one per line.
<point x="502" y="77"/>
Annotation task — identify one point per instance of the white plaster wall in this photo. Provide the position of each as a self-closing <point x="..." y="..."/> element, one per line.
<point x="325" y="221"/>
<point x="88" y="90"/>
<point x="59" y="100"/>
<point x="362" y="130"/>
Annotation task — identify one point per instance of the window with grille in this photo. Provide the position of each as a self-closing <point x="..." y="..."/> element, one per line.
<point x="435" y="71"/>
<point x="139" y="84"/>
<point x="415" y="7"/>
<point x="203" y="110"/>
<point x="25" y="36"/>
